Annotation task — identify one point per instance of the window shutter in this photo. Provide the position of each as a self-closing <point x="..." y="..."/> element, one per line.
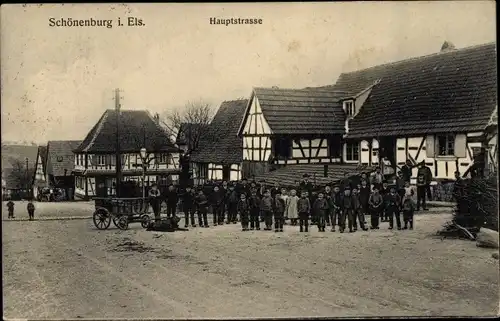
<point x="430" y="146"/>
<point x="460" y="145"/>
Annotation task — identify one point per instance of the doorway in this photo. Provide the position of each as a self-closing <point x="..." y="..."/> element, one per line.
<point x="101" y="188"/>
<point x="226" y="173"/>
<point x="387" y="155"/>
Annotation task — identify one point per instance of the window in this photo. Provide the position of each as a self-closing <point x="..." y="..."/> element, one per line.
<point x="100" y="160"/>
<point x="349" y="108"/>
<point x="352" y="151"/>
<point x="446" y="145"/>
<point x="163" y="158"/>
<point x="283" y="148"/>
<point x="202" y="170"/>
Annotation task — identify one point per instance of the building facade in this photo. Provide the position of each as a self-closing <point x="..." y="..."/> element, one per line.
<point x="438" y="109"/>
<point x="95" y="157"/>
<point x="218" y="156"/>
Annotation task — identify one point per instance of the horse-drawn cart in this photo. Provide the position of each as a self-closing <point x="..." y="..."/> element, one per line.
<point x="121" y="211"/>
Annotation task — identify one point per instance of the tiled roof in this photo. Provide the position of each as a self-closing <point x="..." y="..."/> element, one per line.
<point x="60" y="158"/>
<point x="18" y="152"/>
<point x="137" y="129"/>
<point x="288" y="175"/>
<point x="302" y="111"/>
<point x="445" y="92"/>
<point x="221" y="144"/>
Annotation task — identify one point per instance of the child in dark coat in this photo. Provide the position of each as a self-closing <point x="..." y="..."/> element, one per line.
<point x="347" y="210"/>
<point x="384" y="190"/>
<point x="320" y="208"/>
<point x="279" y="212"/>
<point x="408" y="206"/>
<point x="336" y="209"/>
<point x="10" y="209"/>
<point x="31" y="210"/>
<point x="244" y="211"/>
<point x="217" y="202"/>
<point x="254" y="203"/>
<point x="358" y="214"/>
<point x="188" y="206"/>
<point x="304" y="207"/>
<point x="392" y="206"/>
<point x="266" y="207"/>
<point x="232" y="205"/>
<point x="376" y="203"/>
<point x="202" y="205"/>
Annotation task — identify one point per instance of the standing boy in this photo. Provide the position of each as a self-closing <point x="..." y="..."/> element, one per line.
<point x="358" y="212"/>
<point x="202" y="205"/>
<point x="254" y="203"/>
<point x="421" y="190"/>
<point x="155" y="201"/>
<point x="328" y="197"/>
<point x="217" y="202"/>
<point x="243" y="209"/>
<point x="279" y="212"/>
<point x="376" y="207"/>
<point x="392" y="208"/>
<point x="10" y="208"/>
<point x="347" y="210"/>
<point x="336" y="208"/>
<point x="304" y="207"/>
<point x="31" y="210"/>
<point x="172" y="200"/>
<point x="266" y="207"/>
<point x="384" y="190"/>
<point x="320" y="209"/>
<point x="232" y="205"/>
<point x="187" y="206"/>
<point x="408" y="206"/>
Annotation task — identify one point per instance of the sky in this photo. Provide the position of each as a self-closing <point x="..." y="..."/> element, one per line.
<point x="57" y="82"/>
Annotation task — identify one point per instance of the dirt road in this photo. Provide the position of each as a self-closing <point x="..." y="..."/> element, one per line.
<point x="68" y="269"/>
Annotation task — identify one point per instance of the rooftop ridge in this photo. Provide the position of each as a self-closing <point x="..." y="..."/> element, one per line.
<point x="439" y="53"/>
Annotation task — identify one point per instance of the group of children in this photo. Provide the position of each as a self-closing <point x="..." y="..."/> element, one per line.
<point x="30" y="208"/>
<point x="252" y="206"/>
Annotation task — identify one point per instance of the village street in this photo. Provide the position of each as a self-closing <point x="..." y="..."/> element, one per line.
<point x="69" y="269"/>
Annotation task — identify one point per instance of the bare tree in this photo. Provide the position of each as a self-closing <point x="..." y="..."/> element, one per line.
<point x="19" y="174"/>
<point x="190" y="122"/>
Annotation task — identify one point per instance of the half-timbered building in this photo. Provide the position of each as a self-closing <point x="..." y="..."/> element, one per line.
<point x="95" y="157"/>
<point x="61" y="165"/>
<point x="291" y="126"/>
<point x="439" y="109"/>
<point x="218" y="156"/>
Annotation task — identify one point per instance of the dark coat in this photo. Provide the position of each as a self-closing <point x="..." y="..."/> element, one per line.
<point x="243" y="206"/>
<point x="304" y="205"/>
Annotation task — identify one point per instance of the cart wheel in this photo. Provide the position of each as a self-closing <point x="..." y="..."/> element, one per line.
<point x="115" y="220"/>
<point x="102" y="219"/>
<point x="145" y="219"/>
<point x="122" y="223"/>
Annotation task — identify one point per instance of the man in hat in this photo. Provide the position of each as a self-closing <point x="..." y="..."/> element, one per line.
<point x="427" y="173"/>
<point x="232" y="205"/>
<point x="188" y="206"/>
<point x="155" y="201"/>
<point x="377" y="177"/>
<point x="406" y="170"/>
<point x="171" y="199"/>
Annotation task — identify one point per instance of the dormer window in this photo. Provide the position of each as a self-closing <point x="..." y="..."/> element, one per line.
<point x="349" y="108"/>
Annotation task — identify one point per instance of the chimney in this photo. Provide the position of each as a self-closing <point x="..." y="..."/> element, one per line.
<point x="447" y="46"/>
<point x="156" y="117"/>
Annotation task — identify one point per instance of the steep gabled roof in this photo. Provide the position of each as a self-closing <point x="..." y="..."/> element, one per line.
<point x="60" y="157"/>
<point x="221" y="144"/>
<point x="42" y="152"/>
<point x="301" y="111"/>
<point x="137" y="129"/>
<point x="452" y="91"/>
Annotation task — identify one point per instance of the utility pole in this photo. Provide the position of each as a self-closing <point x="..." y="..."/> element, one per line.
<point x="118" y="152"/>
<point x="27" y="177"/>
